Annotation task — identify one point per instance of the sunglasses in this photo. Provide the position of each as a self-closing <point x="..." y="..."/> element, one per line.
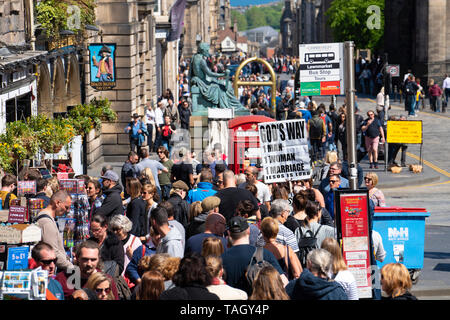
<point x="100" y="290"/>
<point x="334" y="181"/>
<point x="368" y="179"/>
<point x="48" y="262"/>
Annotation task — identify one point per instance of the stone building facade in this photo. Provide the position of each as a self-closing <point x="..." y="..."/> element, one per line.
<point x="304" y="21"/>
<point x="417" y="36"/>
<point x="146" y="65"/>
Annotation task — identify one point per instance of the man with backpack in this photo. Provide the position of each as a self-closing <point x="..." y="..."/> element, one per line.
<point x="242" y="260"/>
<point x="310" y="236"/>
<point x="317" y="135"/>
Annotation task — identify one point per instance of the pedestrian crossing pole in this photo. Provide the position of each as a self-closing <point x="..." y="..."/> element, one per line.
<point x="349" y="80"/>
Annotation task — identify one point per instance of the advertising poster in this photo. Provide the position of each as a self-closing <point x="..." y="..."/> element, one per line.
<point x="284" y="150"/>
<point x="102" y="62"/>
<point x="352" y="219"/>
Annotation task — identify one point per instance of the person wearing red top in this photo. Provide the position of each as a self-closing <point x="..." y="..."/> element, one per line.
<point x="88" y="258"/>
<point x="435" y="92"/>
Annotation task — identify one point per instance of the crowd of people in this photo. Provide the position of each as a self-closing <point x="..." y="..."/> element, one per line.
<point x="193" y="231"/>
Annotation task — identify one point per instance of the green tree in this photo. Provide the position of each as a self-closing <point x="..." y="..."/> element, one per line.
<point x="255" y="18"/>
<point x="240" y="19"/>
<point x="360" y="21"/>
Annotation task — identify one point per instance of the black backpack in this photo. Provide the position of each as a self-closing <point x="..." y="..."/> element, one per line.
<point x="316" y="128"/>
<point x="306" y="243"/>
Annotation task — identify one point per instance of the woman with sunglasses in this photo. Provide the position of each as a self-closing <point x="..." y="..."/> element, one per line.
<point x="375" y="194"/>
<point x="95" y="196"/>
<point x="101" y="284"/>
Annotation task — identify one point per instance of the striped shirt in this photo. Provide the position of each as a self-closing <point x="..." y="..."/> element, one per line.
<point x="284" y="236"/>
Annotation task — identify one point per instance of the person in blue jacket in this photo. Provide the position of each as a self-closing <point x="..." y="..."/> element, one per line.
<point x="204" y="188"/>
<point x="146" y="249"/>
<point x="314" y="282"/>
<point x="137" y="131"/>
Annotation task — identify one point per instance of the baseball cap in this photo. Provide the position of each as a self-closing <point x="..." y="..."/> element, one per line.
<point x="210" y="203"/>
<point x="110" y="175"/>
<point x="135" y="115"/>
<point x="237" y="224"/>
<point x="180" y="185"/>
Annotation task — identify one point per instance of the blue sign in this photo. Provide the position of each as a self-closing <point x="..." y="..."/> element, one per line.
<point x="17" y="258"/>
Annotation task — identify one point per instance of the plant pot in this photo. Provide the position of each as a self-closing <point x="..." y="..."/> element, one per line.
<point x="54" y="149"/>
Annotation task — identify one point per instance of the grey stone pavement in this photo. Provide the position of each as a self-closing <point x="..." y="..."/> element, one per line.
<point x="429" y="189"/>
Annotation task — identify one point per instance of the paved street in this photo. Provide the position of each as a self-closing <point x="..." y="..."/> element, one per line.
<point x="434" y="280"/>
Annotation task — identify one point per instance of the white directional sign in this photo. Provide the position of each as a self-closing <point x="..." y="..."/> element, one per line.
<point x="321" y="69"/>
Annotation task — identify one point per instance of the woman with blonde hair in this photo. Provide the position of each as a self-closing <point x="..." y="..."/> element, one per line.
<point x="218" y="286"/>
<point x="396" y="282"/>
<point x="375" y="194"/>
<point x="284" y="254"/>
<point x="101" y="284"/>
<point x="340" y="271"/>
<point x="212" y="246"/>
<point x="151" y="287"/>
<point x="268" y="285"/>
<point x="151" y="198"/>
<point x="146" y="177"/>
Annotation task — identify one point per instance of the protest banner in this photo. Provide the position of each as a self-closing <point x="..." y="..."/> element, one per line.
<point x="284" y="151"/>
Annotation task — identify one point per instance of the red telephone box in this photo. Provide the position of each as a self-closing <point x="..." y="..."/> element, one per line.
<point x="244" y="141"/>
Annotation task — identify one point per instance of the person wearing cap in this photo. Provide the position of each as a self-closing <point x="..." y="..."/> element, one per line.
<point x="215" y="226"/>
<point x="306" y="114"/>
<point x="204" y="188"/>
<point x="183" y="170"/>
<point x="112" y="204"/>
<point x="197" y="225"/>
<point x="181" y="207"/>
<point x="137" y="131"/>
<point x="237" y="258"/>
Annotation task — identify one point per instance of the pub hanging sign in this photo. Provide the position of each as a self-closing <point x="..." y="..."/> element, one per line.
<point x="102" y="61"/>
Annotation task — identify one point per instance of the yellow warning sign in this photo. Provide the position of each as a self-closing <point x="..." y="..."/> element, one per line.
<point x="404" y="131"/>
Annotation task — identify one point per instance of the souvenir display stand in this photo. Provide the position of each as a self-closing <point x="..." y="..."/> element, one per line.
<point x="74" y="225"/>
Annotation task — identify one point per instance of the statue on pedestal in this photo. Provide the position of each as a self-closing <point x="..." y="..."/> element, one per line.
<point x="208" y="91"/>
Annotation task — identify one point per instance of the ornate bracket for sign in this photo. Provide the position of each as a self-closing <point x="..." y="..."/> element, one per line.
<point x="273" y="83"/>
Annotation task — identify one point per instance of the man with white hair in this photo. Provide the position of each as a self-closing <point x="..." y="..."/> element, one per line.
<point x="280" y="211"/>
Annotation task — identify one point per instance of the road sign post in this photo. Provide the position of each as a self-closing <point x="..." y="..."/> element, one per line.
<point x="349" y="77"/>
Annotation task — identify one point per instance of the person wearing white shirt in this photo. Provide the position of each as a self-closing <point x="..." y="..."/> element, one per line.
<point x="159" y="119"/>
<point x="149" y="119"/>
<point x="446" y="87"/>
<point x="340" y="272"/>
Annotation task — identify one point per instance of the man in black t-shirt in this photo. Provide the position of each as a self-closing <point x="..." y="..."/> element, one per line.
<point x="183" y="170"/>
<point x="230" y="196"/>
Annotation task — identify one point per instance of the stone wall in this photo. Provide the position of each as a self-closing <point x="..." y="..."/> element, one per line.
<point x="12" y="22"/>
